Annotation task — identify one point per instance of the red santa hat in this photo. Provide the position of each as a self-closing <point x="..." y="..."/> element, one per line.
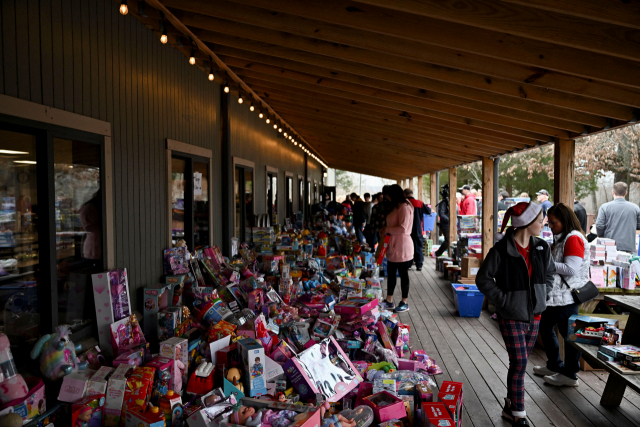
<point x="521" y="215"/>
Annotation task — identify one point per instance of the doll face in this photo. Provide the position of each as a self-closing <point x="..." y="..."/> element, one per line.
<point x="244" y="413"/>
<point x="85" y="416"/>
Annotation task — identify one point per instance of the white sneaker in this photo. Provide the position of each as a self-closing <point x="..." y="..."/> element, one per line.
<point x="543" y="371"/>
<point x="560" y="380"/>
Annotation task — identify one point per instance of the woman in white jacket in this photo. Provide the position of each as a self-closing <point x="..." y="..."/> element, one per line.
<point x="570" y="252"/>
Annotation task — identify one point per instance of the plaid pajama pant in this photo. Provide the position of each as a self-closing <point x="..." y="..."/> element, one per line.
<point x="519" y="338"/>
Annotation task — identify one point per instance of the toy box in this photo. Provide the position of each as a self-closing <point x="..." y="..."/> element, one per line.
<point x="588" y="330"/>
<point x="385" y="406"/>
<point x="355" y="305"/>
<point x="451" y="395"/>
<point x="145" y="417"/>
<point x="74" y="385"/>
<point x="176" y="290"/>
<point x="88" y="410"/>
<point x="423" y="392"/>
<point x="163" y="379"/>
<point x="312" y="372"/>
<point x="253" y="359"/>
<point x="126" y="335"/>
<point x="177" y="349"/>
<point x="98" y="382"/>
<point x="111" y="296"/>
<point x="114" y="399"/>
<point x="273" y="370"/>
<point x="436" y="414"/>
<point x="612" y="336"/>
<point x="384" y="336"/>
<point x="134" y="357"/>
<point x="139" y="387"/>
<point x="168" y="321"/>
<point x="31" y="406"/>
<point x="201" y="380"/>
<point x="156" y="299"/>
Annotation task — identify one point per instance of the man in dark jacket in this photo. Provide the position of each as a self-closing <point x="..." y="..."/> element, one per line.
<point x="419" y="209"/>
<point x="581" y="213"/>
<point x="502" y="204"/>
<point x="443" y="213"/>
<point x="358" y="216"/>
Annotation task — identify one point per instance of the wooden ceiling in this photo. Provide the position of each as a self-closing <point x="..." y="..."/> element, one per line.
<point x="400" y="88"/>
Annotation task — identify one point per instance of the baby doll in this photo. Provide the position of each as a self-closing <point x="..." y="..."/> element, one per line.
<point x="83" y="417"/>
<point x="178" y="370"/>
<point x="247" y="416"/>
<point x="337" y="420"/>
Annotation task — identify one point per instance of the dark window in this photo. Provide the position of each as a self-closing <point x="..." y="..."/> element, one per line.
<point x="243" y="191"/>
<point x="190" y="201"/>
<point x="272" y="197"/>
<point x="289" y="191"/>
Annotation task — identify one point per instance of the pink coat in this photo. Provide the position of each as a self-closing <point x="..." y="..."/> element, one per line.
<point x="399" y="225"/>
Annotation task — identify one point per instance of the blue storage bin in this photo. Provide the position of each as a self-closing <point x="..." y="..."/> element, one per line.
<point x="468" y="300"/>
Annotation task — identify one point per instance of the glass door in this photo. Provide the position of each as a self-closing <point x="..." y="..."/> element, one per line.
<point x="243" y="192"/>
<point x="289" y="192"/>
<point x="190" y="219"/>
<point x="272" y="197"/>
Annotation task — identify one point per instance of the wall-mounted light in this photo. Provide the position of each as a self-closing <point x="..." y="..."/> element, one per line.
<point x="124" y="9"/>
<point x="325" y="174"/>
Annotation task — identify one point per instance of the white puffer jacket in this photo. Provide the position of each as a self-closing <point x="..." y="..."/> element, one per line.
<point x="560" y="295"/>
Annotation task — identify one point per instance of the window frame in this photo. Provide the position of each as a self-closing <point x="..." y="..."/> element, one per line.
<point x="48" y="124"/>
<point x="191" y="153"/>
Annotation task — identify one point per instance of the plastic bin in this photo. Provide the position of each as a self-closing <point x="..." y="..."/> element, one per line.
<point x="468" y="299"/>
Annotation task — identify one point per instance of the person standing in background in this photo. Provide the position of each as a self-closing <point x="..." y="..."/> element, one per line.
<point x="379" y="213"/>
<point x="543" y="198"/>
<point x="358" y="216"/>
<point x="419" y="209"/>
<point x="581" y="214"/>
<point x="502" y="204"/>
<point x="459" y="199"/>
<point x="468" y="205"/>
<point x="367" y="208"/>
<point x="619" y="220"/>
<point x="443" y="214"/>
<point x="369" y="234"/>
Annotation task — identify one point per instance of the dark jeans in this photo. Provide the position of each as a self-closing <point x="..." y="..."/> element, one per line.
<point x="403" y="269"/>
<point x="445" y="245"/>
<point x="551" y="317"/>
<point x="418" y="256"/>
<point x="371" y="235"/>
<point x="359" y="234"/>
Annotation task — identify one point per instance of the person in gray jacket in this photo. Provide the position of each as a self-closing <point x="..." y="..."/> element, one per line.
<point x="516" y="277"/>
<point x="619" y="220"/>
<point x="570" y="252"/>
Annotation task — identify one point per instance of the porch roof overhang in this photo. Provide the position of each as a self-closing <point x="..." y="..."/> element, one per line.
<point x="407" y="87"/>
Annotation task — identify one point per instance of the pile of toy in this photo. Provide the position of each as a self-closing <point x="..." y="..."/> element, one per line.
<point x="611" y="268"/>
<point x="289" y="335"/>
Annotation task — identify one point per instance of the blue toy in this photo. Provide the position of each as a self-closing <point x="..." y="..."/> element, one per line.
<point x="57" y="354"/>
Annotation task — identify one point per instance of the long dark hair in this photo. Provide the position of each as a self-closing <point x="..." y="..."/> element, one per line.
<point x="567" y="218"/>
<point x="396" y="194"/>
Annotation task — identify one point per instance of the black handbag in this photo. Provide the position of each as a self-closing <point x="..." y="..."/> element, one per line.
<point x="584" y="294"/>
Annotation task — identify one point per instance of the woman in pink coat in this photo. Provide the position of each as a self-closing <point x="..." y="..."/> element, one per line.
<point x="400" y="249"/>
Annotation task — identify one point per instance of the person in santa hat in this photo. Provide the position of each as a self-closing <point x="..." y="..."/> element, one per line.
<point x="516" y="277"/>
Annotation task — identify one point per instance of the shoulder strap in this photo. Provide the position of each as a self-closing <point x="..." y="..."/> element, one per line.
<point x="564" y="281"/>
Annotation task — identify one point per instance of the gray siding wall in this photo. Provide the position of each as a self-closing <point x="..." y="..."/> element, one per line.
<point x="84" y="57"/>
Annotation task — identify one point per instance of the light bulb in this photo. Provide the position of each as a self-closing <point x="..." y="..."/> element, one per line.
<point x="192" y="58"/>
<point x="163" y="38"/>
<point x="260" y="115"/>
<point x="240" y="100"/>
<point x="280" y="130"/>
<point x="252" y="108"/>
<point x="285" y="134"/>
<point x="275" y="126"/>
<point x="226" y="88"/>
<point x="124" y="9"/>
<point x="268" y="121"/>
<point x="211" y="76"/>
<point x="295" y="143"/>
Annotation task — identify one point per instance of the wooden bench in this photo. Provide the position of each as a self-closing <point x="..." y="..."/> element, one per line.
<point x="617" y="382"/>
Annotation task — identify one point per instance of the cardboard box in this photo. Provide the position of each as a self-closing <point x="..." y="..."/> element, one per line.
<point x="177" y="349"/>
<point x="436" y="414"/>
<point x="74" y="385"/>
<point x="156" y="299"/>
<point x="98" y="382"/>
<point x="109" y="288"/>
<point x="168" y="321"/>
<point x="588" y="330"/>
<point x="143" y="417"/>
<point x="114" y="399"/>
<point x="139" y="386"/>
<point x="385" y="406"/>
<point x="451" y="395"/>
<point x="273" y="370"/>
<point x="163" y="377"/>
<point x="470" y="266"/>
<point x="254" y="360"/>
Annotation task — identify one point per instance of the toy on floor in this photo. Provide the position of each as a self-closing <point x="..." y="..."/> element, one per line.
<point x="57" y="354"/>
<point x="337" y="420"/>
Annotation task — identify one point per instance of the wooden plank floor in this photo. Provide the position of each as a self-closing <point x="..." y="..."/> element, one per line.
<point x="472" y="351"/>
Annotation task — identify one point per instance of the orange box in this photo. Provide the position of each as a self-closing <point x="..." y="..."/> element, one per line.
<point x="138" y="391"/>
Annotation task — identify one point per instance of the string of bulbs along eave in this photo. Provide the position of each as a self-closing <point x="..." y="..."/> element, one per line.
<point x="165" y="16"/>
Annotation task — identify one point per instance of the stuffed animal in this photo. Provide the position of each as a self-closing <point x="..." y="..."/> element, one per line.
<point x="57" y="354"/>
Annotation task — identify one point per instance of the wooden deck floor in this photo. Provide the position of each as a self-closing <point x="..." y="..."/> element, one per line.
<point x="472" y="351"/>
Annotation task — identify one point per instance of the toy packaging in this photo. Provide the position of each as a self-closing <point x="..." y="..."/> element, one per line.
<point x="163" y="379"/>
<point x="98" y="382"/>
<point x="253" y="359"/>
<point x="451" y="395"/>
<point x="386" y="406"/>
<point x="436" y="414"/>
<point x="74" y="385"/>
<point x="588" y="330"/>
<point x="111" y="297"/>
<point x="168" y="321"/>
<point x="30" y="406"/>
<point x="145" y="417"/>
<point x="126" y="335"/>
<point x="139" y="389"/>
<point x="177" y="349"/>
<point x="114" y="399"/>
<point x="156" y="299"/>
<point x="356" y="305"/>
<point x="88" y="411"/>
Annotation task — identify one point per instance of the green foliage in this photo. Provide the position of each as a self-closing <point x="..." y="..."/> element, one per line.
<point x="344" y="181"/>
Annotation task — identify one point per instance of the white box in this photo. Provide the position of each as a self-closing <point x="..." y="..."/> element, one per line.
<point x="74" y="385"/>
<point x="103" y="297"/>
<point x="114" y="398"/>
<point x="272" y="370"/>
<point x="98" y="383"/>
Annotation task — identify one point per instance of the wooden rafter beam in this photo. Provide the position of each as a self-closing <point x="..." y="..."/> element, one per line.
<point x="404" y="72"/>
<point x="461" y="38"/>
<point x="551" y="88"/>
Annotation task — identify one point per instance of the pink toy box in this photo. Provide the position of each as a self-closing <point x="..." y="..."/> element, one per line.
<point x="356" y="305"/>
<point x="98" y="382"/>
<point x="163" y="380"/>
<point x="125" y="335"/>
<point x="312" y="372"/>
<point x="115" y="395"/>
<point x="74" y="385"/>
<point x="33" y="404"/>
<point x="385" y="406"/>
<point x="111" y="296"/>
<point x="177" y="349"/>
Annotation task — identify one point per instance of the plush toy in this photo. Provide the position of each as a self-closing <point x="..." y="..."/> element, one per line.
<point x="57" y="354"/>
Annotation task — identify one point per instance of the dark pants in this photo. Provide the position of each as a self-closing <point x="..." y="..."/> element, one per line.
<point x="418" y="256"/>
<point x="371" y="235"/>
<point x="445" y="245"/>
<point x="403" y="269"/>
<point x="359" y="234"/>
<point x="551" y="317"/>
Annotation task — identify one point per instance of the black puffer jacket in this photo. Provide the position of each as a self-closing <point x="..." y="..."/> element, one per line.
<point x="504" y="278"/>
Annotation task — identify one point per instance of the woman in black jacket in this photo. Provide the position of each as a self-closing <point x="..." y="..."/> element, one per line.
<point x="516" y="276"/>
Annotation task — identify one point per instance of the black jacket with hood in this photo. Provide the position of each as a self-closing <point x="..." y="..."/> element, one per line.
<point x="504" y="278"/>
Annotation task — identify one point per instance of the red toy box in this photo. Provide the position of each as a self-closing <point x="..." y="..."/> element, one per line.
<point x="435" y="414"/>
<point x="451" y="395"/>
<point x="86" y="409"/>
<point x="385" y="406"/>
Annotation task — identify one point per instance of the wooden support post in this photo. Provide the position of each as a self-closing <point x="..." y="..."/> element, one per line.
<point x="411" y="185"/>
<point x="420" y="196"/>
<point x="453" y="213"/>
<point x="564" y="163"/>
<point x="434" y="191"/>
<point x="487" y="205"/>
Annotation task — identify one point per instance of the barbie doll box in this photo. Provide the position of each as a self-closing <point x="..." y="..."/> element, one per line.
<point x="322" y="368"/>
<point x="111" y="297"/>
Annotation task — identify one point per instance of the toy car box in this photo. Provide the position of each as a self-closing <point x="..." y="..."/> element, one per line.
<point x="588" y="330"/>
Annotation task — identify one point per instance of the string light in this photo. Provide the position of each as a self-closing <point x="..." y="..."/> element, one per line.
<point x="285" y="135"/>
<point x="163" y="38"/>
<point x="124" y="9"/>
<point x="275" y="126"/>
<point x="240" y="100"/>
<point x="260" y="115"/>
<point x="211" y="75"/>
<point x="268" y="120"/>
<point x="226" y="86"/>
<point x="252" y="108"/>
<point x="280" y="130"/>
<point x="192" y="58"/>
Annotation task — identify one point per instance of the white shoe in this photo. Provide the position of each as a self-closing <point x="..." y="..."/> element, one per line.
<point x="543" y="371"/>
<point x="560" y="380"/>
